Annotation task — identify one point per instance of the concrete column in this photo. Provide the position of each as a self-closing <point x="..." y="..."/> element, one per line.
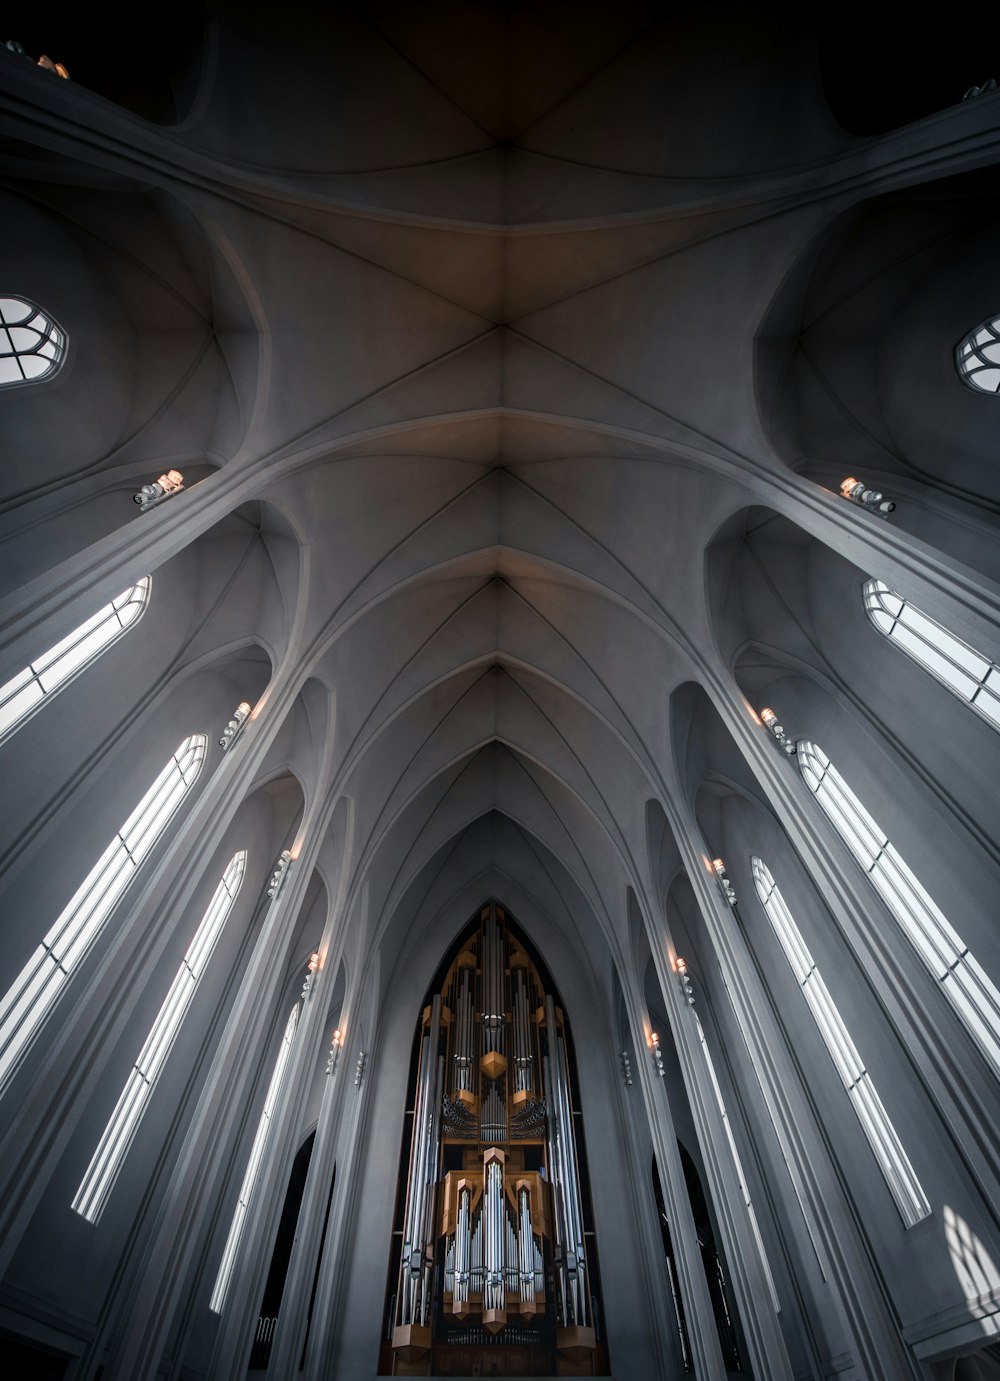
<point x="235" y="1336"/>
<point x="141" y="1313"/>
<point x="920" y="1011"/>
<point x="846" y="1256"/>
<point x="38" y="1128"/>
<point x="293" y="1317"/>
<point x="761" y="1327"/>
<point x="703" y="1334"/>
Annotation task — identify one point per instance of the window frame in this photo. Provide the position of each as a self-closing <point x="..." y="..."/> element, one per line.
<point x="32" y="674"/>
<point x="234" y="1238"/>
<point x="741" y="1178"/>
<point x="54" y="334"/>
<point x="890" y="1155"/>
<point x="874" y="592"/>
<point x="969" y="348"/>
<point x="116" y="1140"/>
<point x="971" y="992"/>
<point x="36" y="990"/>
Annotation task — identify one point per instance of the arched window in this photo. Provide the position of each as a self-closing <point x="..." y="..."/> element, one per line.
<point x="737" y="1163"/>
<point x="25" y="693"/>
<point x="966" y="984"/>
<point x="977" y="357"/>
<point x="32" y="994"/>
<point x="893" y="1160"/>
<point x="966" y="672"/>
<point x="114" y="1144"/>
<point x="31" y="344"/>
<point x="232" y="1246"/>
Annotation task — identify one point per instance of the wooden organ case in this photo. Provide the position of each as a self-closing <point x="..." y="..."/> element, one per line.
<point x="493" y="1271"/>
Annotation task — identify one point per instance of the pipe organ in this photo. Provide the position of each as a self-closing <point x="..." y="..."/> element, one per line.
<point x="492" y="1250"/>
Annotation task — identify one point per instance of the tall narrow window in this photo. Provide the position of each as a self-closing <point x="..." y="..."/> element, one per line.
<point x="966" y="672"/>
<point x="32" y="994"/>
<point x="31" y="344"/>
<point x="977" y="357"/>
<point x="893" y="1160"/>
<point x="966" y="984"/>
<point x="29" y="689"/>
<point x="766" y="1090"/>
<point x="250" y="1178"/>
<point x="114" y="1144"/>
<point x="738" y="1164"/>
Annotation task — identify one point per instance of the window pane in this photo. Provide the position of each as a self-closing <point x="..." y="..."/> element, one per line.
<point x="231" y="1249"/>
<point x="117" y="1137"/>
<point x="34" y="366"/>
<point x="29" y="999"/>
<point x="960" y="667"/>
<point x="30" y="339"/>
<point x="932" y="935"/>
<point x="875" y="1123"/>
<point x="18" y="702"/>
<point x="974" y="355"/>
<point x="52" y="669"/>
<point x="13" y="309"/>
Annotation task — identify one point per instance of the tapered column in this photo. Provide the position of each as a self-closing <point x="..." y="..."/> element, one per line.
<point x="236" y="1329"/>
<point x="145" y="1305"/>
<point x="38" y="1126"/>
<point x="921" y="1013"/>
<point x="748" y="1271"/>
<point x="296" y="1299"/>
<point x="703" y="1334"/>
<point x="871" y="1331"/>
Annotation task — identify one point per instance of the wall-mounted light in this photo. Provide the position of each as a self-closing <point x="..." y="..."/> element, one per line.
<point x="770" y="720"/>
<point x="234" y="728"/>
<point x="729" y="892"/>
<point x="654" y="1045"/>
<point x="359" y="1068"/>
<point x="872" y="499"/>
<point x="280" y="871"/>
<point x="50" y="66"/>
<point x="170" y="482"/>
<point x="311" y="968"/>
<point x="335" y="1046"/>
<point x="626" y="1069"/>
<point x="685" y="980"/>
<point x="45" y="62"/>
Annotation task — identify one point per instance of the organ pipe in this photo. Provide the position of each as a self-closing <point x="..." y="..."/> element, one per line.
<point x="463" y="1248"/>
<point x="492" y="1242"/>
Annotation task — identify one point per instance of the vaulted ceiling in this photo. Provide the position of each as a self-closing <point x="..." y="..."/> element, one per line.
<point x="470" y="300"/>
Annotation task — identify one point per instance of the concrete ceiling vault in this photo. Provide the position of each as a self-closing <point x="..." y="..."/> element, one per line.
<point x="471" y="305"/>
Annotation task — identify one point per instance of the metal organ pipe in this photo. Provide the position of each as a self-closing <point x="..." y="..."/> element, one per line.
<point x="525" y="1248"/>
<point x="463" y="1243"/>
<point x="512" y="1270"/>
<point x="577" y="1244"/>
<point x="417" y="1263"/>
<point x="522" y="1033"/>
<point x="493" y="967"/>
<point x="463" y="1035"/>
<point x="492" y="1104"/>
<point x="570" y="1253"/>
<point x="495" y="1218"/>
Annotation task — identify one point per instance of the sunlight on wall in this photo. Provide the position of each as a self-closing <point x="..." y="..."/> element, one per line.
<point x="975" y="1269"/>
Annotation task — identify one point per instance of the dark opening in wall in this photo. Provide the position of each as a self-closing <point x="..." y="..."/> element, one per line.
<point x="885" y="69"/>
<point x="147" y="60"/>
<point x="30" y="1363"/>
